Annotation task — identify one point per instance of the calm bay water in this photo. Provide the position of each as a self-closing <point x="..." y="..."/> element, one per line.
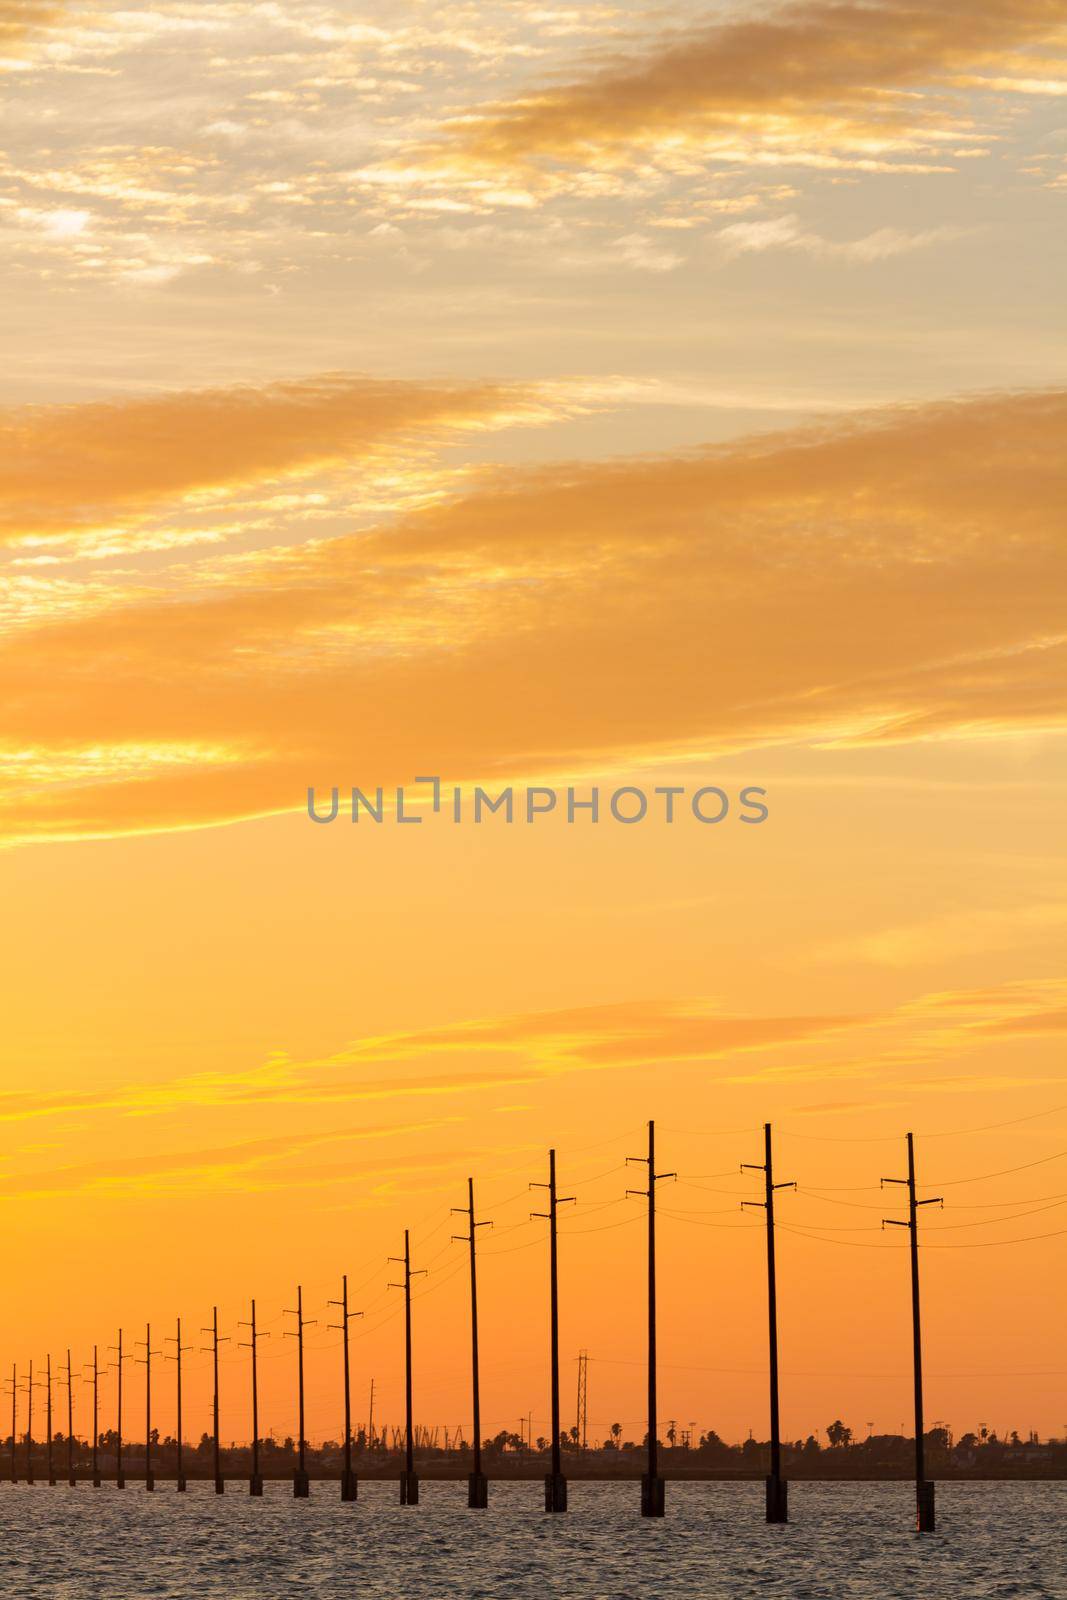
<point x="995" y="1541"/>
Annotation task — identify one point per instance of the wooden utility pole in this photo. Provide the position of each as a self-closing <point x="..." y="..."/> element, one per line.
<point x="220" y="1482"/>
<point x="777" y="1487"/>
<point x="301" y="1482"/>
<point x="477" y="1483"/>
<point x="349" y="1486"/>
<point x="555" y="1482"/>
<point x="409" y="1483"/>
<point x="149" y="1475"/>
<point x="71" y="1479"/>
<point x="48" y="1422"/>
<point x="94" y="1447"/>
<point x="255" y="1482"/>
<point x="29" y="1424"/>
<point x="14" y="1382"/>
<point x="179" y="1351"/>
<point x="925" y="1519"/>
<point x="120" y="1480"/>
<point x="653" y="1486"/>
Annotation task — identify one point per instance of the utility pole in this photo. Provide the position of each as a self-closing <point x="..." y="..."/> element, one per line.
<point x="370" y="1417"/>
<point x="149" y="1475"/>
<point x="120" y="1480"/>
<point x="777" y="1487"/>
<point x="581" y="1410"/>
<point x="925" y="1520"/>
<point x="14" y="1382"/>
<point x="94" y="1448"/>
<point x="179" y="1351"/>
<point x="349" y="1487"/>
<point x="301" y="1482"/>
<point x="409" y="1483"/>
<point x="48" y="1422"/>
<point x="220" y="1482"/>
<point x="29" y="1424"/>
<point x="477" y="1483"/>
<point x="555" y="1482"/>
<point x="255" y="1482"/>
<point x="653" y="1486"/>
<point x="71" y="1479"/>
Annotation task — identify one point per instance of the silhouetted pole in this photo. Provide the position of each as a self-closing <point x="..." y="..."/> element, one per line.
<point x="925" y="1520"/>
<point x="14" y="1381"/>
<point x="301" y="1482"/>
<point x="220" y="1482"/>
<point x="409" y="1483"/>
<point x="179" y="1351"/>
<point x="477" y="1483"/>
<point x="120" y="1480"/>
<point x="349" y="1486"/>
<point x="29" y="1425"/>
<point x="653" y="1487"/>
<point x="555" y="1482"/>
<point x="149" y="1475"/>
<point x="48" y="1422"/>
<point x="777" y="1488"/>
<point x="94" y="1449"/>
<point x="71" y="1479"/>
<point x="255" y="1482"/>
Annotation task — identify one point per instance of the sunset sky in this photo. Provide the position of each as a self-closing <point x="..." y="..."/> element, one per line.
<point x="610" y="394"/>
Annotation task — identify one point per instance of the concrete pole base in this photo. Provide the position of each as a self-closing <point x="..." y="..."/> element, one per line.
<point x="181" y="1485"/>
<point x="478" y="1491"/>
<point x="255" y="1485"/>
<point x="97" y="1480"/>
<point x="301" y="1485"/>
<point x="777" y="1500"/>
<point x="653" y="1495"/>
<point x="72" y="1481"/>
<point x="925" y="1520"/>
<point x="120" y="1482"/>
<point x="409" y="1489"/>
<point x="150" y="1482"/>
<point x="555" y="1492"/>
<point x="220" y="1484"/>
<point x="51" y="1480"/>
<point x="349" y="1486"/>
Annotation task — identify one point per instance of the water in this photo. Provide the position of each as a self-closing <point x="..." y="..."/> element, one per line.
<point x="846" y="1540"/>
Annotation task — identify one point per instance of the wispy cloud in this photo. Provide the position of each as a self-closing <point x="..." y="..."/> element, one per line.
<point x="810" y="81"/>
<point x="849" y="584"/>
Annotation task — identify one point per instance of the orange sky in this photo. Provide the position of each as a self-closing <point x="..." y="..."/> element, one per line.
<point x="572" y="397"/>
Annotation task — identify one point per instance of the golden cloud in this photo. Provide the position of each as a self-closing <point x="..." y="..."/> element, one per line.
<point x="828" y="72"/>
<point x="897" y="576"/>
<point x="65" y="468"/>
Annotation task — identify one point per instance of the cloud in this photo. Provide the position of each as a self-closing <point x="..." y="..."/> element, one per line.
<point x="524" y="1048"/>
<point x="234" y="1166"/>
<point x="817" y="75"/>
<point x="896" y="576"/>
<point x="19" y="18"/>
<point x="787" y="233"/>
<point x="69" y="468"/>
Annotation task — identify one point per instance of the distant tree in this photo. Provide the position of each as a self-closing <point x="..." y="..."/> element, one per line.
<point x="616" y="1432"/>
<point x="838" y="1435"/>
<point x="542" y="1443"/>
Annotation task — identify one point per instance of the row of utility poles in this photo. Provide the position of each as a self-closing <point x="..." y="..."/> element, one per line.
<point x="653" y="1485"/>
